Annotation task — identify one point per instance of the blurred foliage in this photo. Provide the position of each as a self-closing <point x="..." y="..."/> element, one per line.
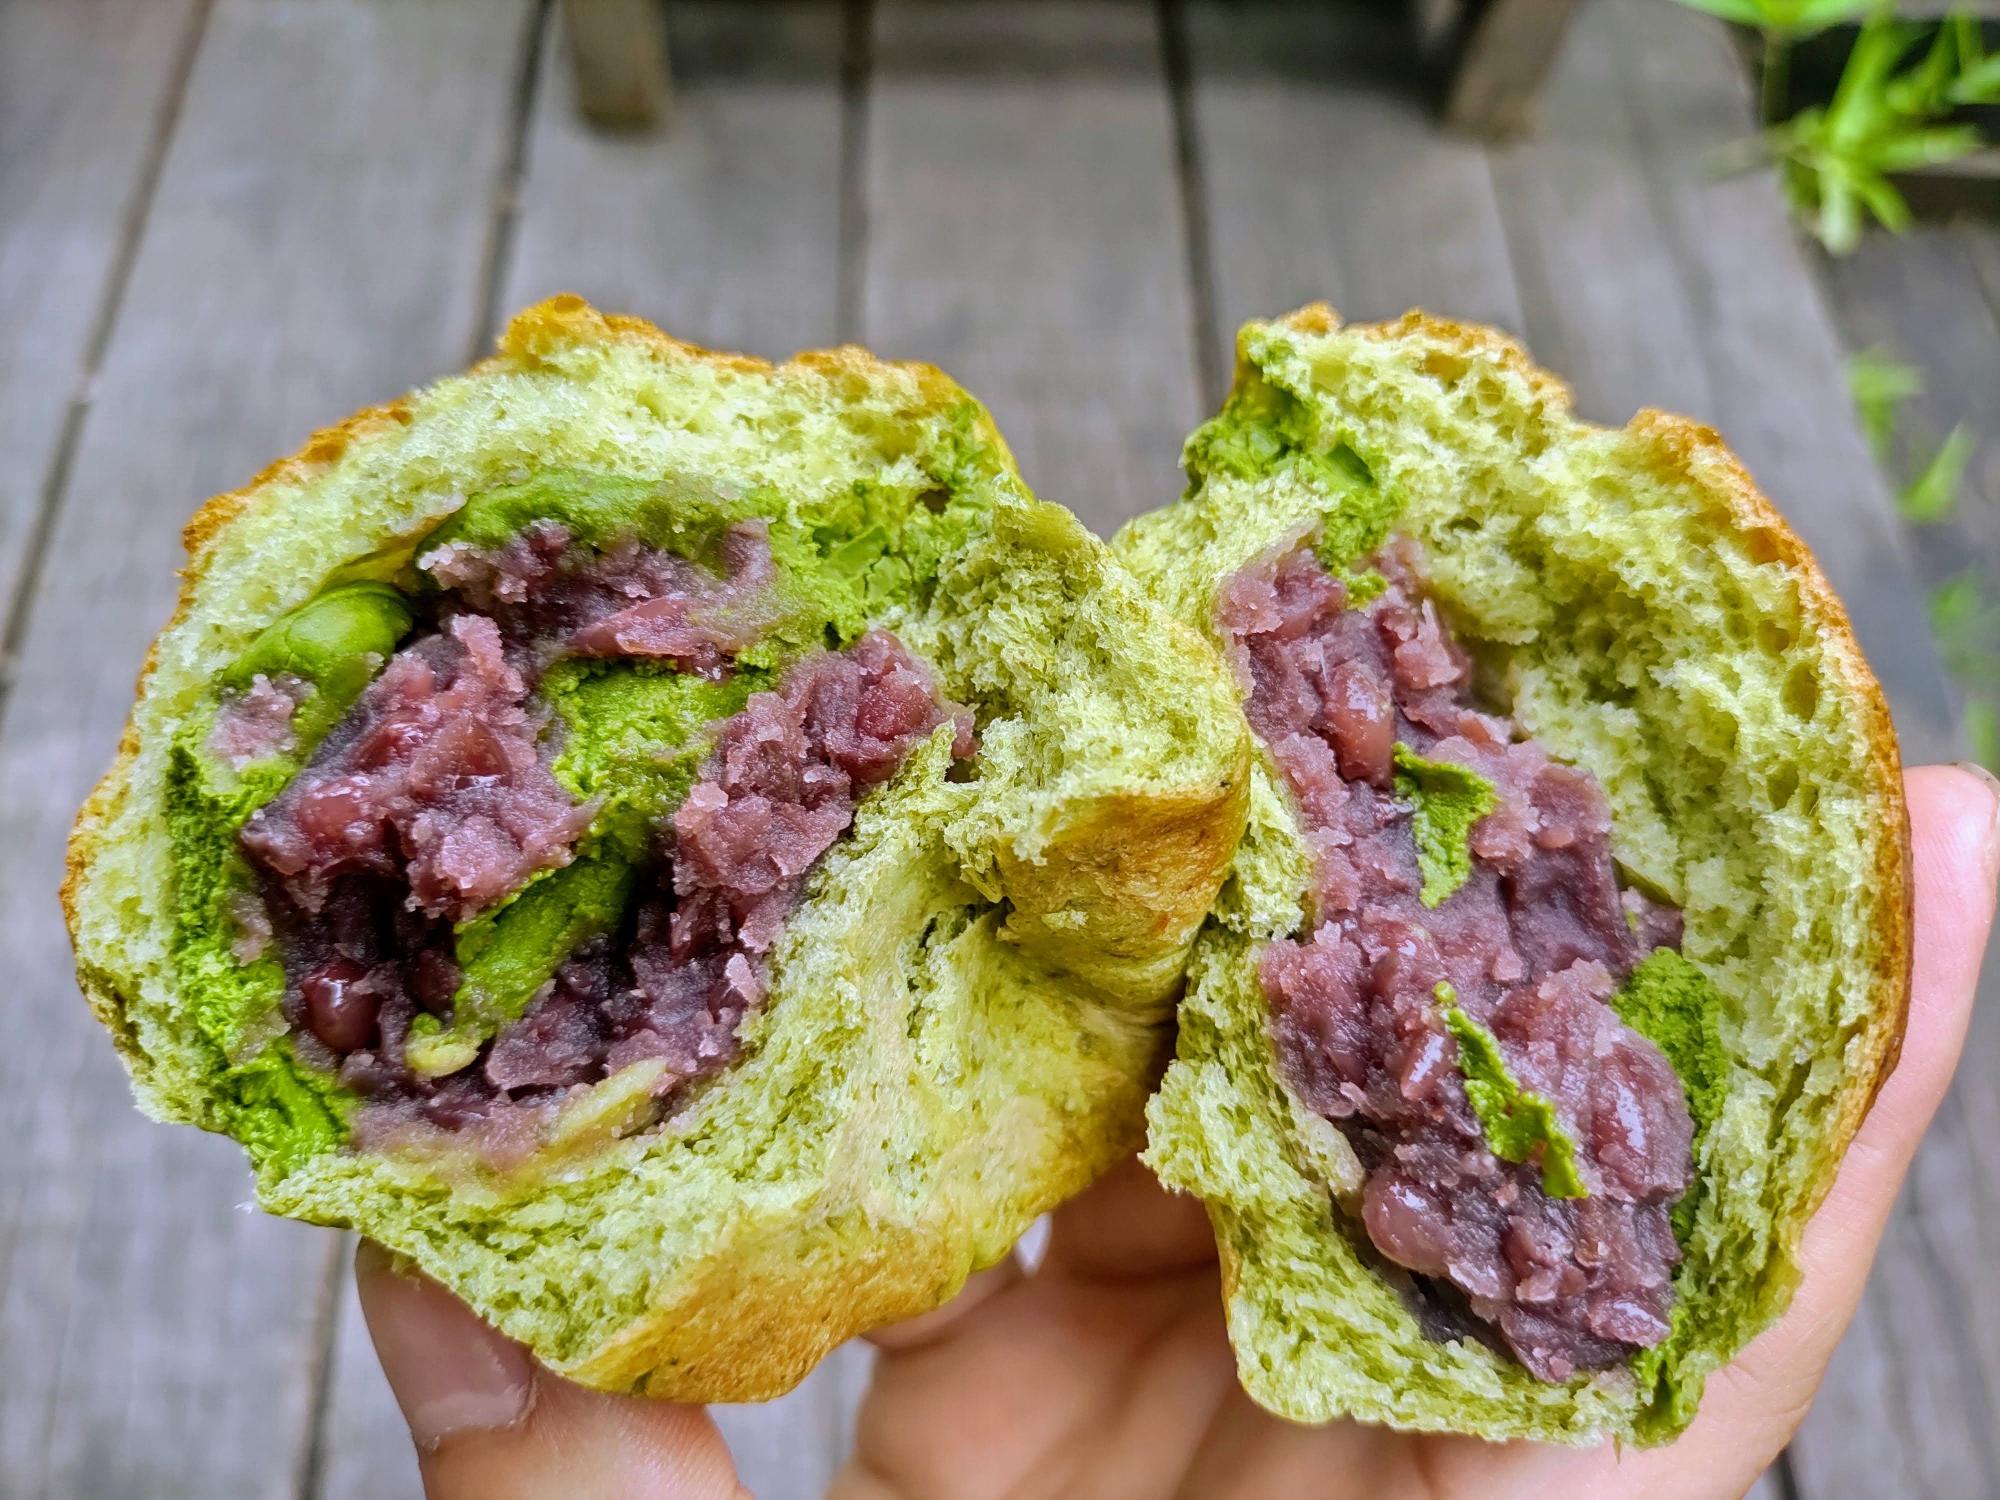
<point x="1880" y="384"/>
<point x="1964" y="609"/>
<point x="1932" y="495"/>
<point x="1892" y="111"/>
<point x="1789" y="19"/>
<point x="1965" y="617"/>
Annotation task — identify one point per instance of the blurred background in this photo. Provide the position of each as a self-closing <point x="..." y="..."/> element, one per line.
<point x="226" y="222"/>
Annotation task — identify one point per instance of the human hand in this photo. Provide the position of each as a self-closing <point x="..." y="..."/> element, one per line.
<point x="1106" y="1372"/>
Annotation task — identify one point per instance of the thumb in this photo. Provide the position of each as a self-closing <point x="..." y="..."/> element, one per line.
<point x="491" y="1424"/>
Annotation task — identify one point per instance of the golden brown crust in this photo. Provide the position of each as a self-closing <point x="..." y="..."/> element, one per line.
<point x="1697" y="455"/>
<point x="1140" y="871"/>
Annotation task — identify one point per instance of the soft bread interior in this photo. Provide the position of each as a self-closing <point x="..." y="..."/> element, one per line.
<point x="1653" y="620"/>
<point x="968" y="1005"/>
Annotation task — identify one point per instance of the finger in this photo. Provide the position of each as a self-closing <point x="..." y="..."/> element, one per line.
<point x="491" y="1424"/>
<point x="1752" y="1407"/>
<point x="1129" y="1227"/>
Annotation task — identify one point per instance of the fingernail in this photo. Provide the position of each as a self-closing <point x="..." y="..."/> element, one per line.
<point x="450" y="1373"/>
<point x="1992" y="846"/>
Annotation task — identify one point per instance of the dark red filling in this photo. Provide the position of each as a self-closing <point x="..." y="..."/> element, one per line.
<point x="1532" y="945"/>
<point x="434" y="779"/>
<point x="432" y="801"/>
<point x="551" y="598"/>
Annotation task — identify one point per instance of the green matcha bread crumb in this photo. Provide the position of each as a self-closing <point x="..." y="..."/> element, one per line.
<point x="1648" y="617"/>
<point x="967" y="1006"/>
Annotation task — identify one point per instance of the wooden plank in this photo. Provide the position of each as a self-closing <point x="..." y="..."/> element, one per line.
<point x="1907" y="1405"/>
<point x="1982" y="243"/>
<point x="309" y="248"/>
<point x="1508" y="50"/>
<point x="364" y="1446"/>
<point x="618" y="61"/>
<point x="1603" y="296"/>
<point x="725" y="230"/>
<point x="1325" y="175"/>
<point x="86" y="94"/>
<point x="1921" y="297"/>
<point x="1024" y="230"/>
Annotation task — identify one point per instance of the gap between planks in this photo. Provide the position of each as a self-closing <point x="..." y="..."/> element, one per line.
<point x="55" y="481"/>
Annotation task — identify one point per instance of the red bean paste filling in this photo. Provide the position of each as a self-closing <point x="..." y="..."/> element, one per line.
<point x="432" y="800"/>
<point x="1534" y="944"/>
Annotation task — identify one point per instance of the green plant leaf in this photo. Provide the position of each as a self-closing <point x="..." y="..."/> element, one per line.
<point x="1933" y="495"/>
<point x="1742" y="12"/>
<point x="1966" y="622"/>
<point x="1924" y="89"/>
<point x="1860" y="102"/>
<point x="1817" y="15"/>
<point x="1925" y="146"/>
<point x="1880" y="384"/>
<point x="1838" y="223"/>
<point x="1782" y="20"/>
<point x="1977" y="83"/>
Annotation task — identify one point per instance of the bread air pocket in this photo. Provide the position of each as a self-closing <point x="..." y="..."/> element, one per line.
<point x="691" y="853"/>
<point x="1569" y="940"/>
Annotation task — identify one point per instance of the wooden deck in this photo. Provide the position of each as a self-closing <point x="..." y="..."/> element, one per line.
<point x="223" y="222"/>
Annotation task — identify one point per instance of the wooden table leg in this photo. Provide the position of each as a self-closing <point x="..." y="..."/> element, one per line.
<point x="618" y="51"/>
<point x="1506" y="48"/>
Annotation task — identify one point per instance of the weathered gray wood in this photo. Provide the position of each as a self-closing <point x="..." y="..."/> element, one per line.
<point x="1920" y="296"/>
<point x="1982" y="243"/>
<point x="1508" y="50"/>
<point x="1604" y="300"/>
<point x="1326" y="177"/>
<point x="1025" y="232"/>
<point x="85" y="91"/>
<point x="309" y="248"/>
<point x="724" y="230"/>
<point x="618" y="61"/>
<point x="364" y="1447"/>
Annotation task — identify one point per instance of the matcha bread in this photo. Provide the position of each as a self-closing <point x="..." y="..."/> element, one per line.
<point x="1569" y="939"/>
<point x="690" y="853"/>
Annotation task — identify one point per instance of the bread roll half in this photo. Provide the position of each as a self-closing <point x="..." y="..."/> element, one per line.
<point x="1451" y="1226"/>
<point x="934" y="984"/>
